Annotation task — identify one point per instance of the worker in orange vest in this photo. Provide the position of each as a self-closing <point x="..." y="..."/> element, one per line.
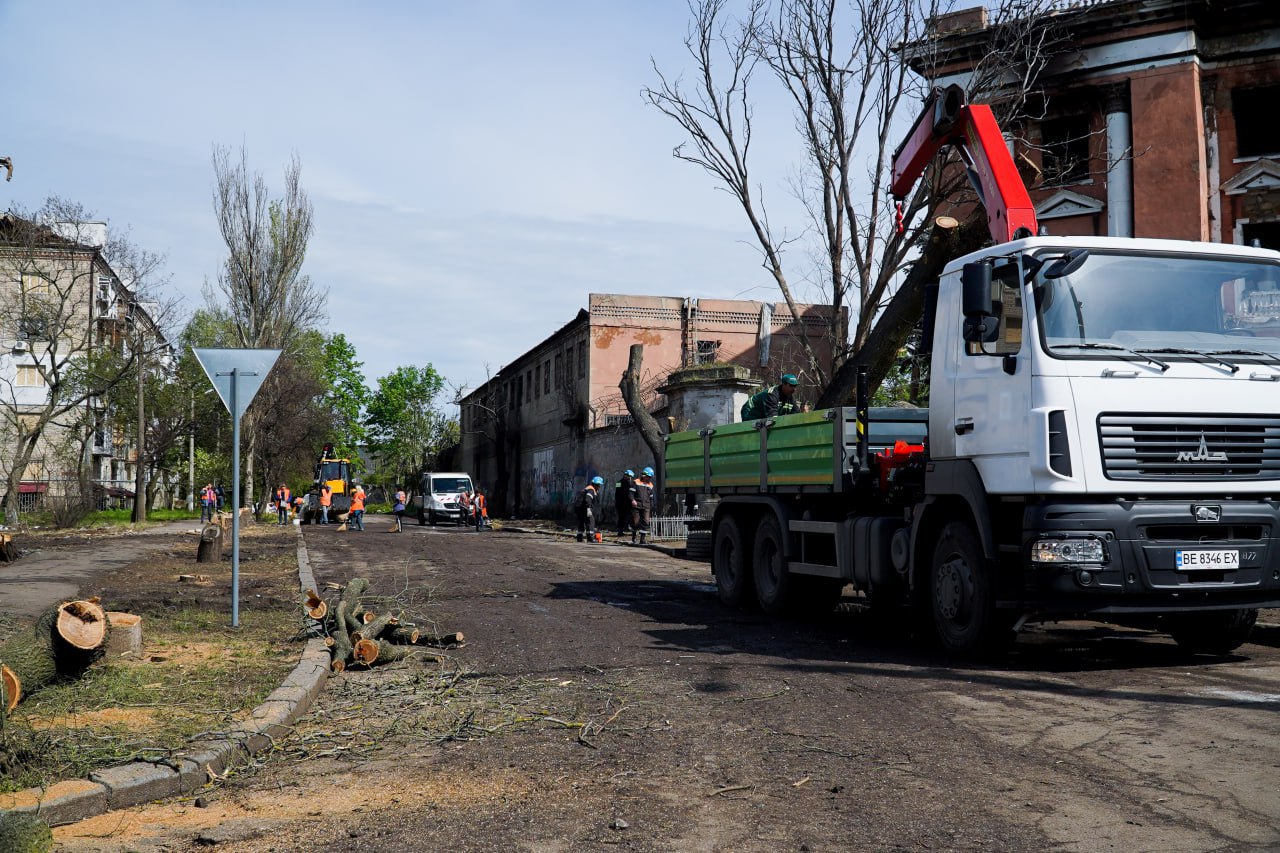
<point x="356" y="519"/>
<point x="480" y="506"/>
<point x="464" y="508"/>
<point x="326" y="501"/>
<point x="207" y="502"/>
<point x="284" y="498"/>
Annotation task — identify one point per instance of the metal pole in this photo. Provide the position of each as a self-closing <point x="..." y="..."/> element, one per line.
<point x="191" y="458"/>
<point x="140" y="474"/>
<point x="235" y="503"/>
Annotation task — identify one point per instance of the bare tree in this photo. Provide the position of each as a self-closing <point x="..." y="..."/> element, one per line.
<point x="844" y="68"/>
<point x="645" y="423"/>
<point x="261" y="289"/>
<point x="69" y="286"/>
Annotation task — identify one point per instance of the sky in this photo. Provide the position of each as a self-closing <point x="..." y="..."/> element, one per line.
<point x="477" y="169"/>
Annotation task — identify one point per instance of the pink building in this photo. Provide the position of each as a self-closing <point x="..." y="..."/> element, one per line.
<point x="554" y="417"/>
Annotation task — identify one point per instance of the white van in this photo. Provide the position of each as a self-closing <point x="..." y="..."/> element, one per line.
<point x="438" y="496"/>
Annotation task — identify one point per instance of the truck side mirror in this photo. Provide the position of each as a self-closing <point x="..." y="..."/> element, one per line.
<point x="980" y="322"/>
<point x="975" y="282"/>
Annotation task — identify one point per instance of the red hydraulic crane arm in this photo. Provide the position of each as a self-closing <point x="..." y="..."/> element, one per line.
<point x="972" y="130"/>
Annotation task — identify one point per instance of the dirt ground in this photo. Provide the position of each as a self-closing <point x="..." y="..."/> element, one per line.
<point x="604" y="699"/>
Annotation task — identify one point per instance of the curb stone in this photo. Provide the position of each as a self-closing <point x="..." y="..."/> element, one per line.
<point x="189" y="770"/>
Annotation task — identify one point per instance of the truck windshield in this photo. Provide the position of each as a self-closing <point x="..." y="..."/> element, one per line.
<point x="1182" y="307"/>
<point x="332" y="471"/>
<point x="440" y="485"/>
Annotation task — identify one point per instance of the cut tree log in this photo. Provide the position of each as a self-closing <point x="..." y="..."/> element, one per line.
<point x="316" y="606"/>
<point x="210" y="550"/>
<point x="454" y="639"/>
<point x="373" y="628"/>
<point x="12" y="688"/>
<point x="7" y="551"/>
<point x="78" y="632"/>
<point x="370" y="652"/>
<point x="401" y="635"/>
<point x="341" y="639"/>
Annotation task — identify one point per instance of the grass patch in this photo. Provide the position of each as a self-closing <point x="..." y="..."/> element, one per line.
<point x="197" y="675"/>
<point x="121" y="516"/>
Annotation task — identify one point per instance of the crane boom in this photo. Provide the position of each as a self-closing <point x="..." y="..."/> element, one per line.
<point x="947" y="120"/>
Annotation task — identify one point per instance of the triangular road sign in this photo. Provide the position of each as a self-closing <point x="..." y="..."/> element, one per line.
<point x="249" y="366"/>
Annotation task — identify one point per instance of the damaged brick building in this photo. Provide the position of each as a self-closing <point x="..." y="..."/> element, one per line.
<point x="554" y="417"/>
<point x="1154" y="118"/>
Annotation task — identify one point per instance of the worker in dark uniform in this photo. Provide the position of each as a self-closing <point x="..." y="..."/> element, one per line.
<point x="771" y="402"/>
<point x="586" y="506"/>
<point x="622" y="500"/>
<point x="641" y="505"/>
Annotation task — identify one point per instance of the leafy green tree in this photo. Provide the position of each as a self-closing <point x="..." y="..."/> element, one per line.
<point x="346" y="397"/>
<point x="405" y="428"/>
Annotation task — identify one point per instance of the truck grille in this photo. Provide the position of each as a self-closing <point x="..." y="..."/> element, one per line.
<point x="1219" y="447"/>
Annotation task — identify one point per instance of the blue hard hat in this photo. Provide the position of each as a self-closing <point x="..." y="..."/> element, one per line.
<point x="648" y="472"/>
<point x="597" y="481"/>
<point x="629" y="472"/>
<point x="790" y="379"/>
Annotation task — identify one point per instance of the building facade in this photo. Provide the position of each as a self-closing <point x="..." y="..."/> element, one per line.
<point x="554" y="417"/>
<point x="1154" y="118"/>
<point x="66" y="317"/>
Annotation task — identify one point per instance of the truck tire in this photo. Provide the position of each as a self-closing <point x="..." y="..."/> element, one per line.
<point x="698" y="545"/>
<point x="729" y="562"/>
<point x="1217" y="632"/>
<point x="962" y="594"/>
<point x="769" y="568"/>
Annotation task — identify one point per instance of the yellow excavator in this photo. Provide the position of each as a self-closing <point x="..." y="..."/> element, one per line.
<point x="335" y="473"/>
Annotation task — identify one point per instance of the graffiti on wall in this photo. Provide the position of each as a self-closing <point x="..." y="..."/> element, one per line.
<point x="551" y="486"/>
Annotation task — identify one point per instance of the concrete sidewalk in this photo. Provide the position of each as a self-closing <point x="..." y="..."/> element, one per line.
<point x="43" y="578"/>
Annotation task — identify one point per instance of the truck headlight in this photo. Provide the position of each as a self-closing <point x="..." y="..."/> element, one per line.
<point x="1078" y="550"/>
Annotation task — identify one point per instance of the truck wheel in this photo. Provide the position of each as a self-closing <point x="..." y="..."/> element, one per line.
<point x="729" y="563"/>
<point x="961" y="596"/>
<point x="1218" y="632"/>
<point x="769" y="568"/>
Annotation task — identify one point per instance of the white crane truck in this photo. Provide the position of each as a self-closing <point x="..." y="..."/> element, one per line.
<point x="1103" y="439"/>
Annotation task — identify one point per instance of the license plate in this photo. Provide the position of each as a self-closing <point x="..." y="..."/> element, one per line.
<point x="1208" y="559"/>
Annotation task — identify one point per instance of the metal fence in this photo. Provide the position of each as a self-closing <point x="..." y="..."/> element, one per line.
<point x="670" y="526"/>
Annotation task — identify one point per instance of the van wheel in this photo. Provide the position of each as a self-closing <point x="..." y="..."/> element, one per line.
<point x="962" y="595"/>
<point x="729" y="563"/>
<point x="769" y="568"/>
<point x="1217" y="632"/>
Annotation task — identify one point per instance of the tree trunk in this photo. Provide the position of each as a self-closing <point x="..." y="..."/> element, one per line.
<point x="67" y="640"/>
<point x="645" y="423"/>
<point x="372" y="629"/>
<point x="903" y="311"/>
<point x="441" y="642"/>
<point x="341" y="637"/>
<point x="402" y="635"/>
<point x="370" y="652"/>
<point x="210" y="550"/>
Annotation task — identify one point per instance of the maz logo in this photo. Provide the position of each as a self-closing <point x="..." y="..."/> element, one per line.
<point x="1202" y="455"/>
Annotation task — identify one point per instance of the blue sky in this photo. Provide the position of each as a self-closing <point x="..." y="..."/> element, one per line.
<point x="477" y="169"/>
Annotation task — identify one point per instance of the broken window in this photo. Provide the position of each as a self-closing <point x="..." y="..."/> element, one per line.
<point x="1257" y="124"/>
<point x="1065" y="146"/>
<point x="708" y="351"/>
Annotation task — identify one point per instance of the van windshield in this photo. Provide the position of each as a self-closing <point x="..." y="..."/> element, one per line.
<point x="439" y="485"/>
<point x="1181" y="306"/>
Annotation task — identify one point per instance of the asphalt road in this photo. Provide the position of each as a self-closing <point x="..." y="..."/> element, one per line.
<point x="612" y="702"/>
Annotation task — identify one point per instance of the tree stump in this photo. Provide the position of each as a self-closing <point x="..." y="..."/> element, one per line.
<point x="210" y="550"/>
<point x="126" y="634"/>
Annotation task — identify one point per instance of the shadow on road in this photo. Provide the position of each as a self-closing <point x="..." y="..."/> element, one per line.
<point x="854" y="641"/>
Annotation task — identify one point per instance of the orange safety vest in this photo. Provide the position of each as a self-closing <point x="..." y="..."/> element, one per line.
<point x="482" y="506"/>
<point x="326" y="496"/>
<point x="283" y="496"/>
<point x="357" y="501"/>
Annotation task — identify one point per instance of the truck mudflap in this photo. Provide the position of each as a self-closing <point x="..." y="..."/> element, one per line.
<point x="1145" y="556"/>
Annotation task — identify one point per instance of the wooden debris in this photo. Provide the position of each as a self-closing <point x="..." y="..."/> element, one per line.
<point x="316" y="606"/>
<point x="355" y="634"/>
<point x="68" y="639"/>
<point x="7" y="552"/>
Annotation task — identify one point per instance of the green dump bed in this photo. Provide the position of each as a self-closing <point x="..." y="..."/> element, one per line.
<point x="808" y="452"/>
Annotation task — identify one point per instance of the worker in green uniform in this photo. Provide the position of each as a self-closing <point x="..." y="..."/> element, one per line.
<point x="778" y="400"/>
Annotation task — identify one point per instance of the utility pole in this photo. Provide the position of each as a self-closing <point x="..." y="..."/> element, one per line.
<point x="140" y="472"/>
<point x="191" y="456"/>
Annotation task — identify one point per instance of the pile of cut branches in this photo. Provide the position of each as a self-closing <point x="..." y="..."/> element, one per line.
<point x="360" y="636"/>
<point x="68" y="638"/>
